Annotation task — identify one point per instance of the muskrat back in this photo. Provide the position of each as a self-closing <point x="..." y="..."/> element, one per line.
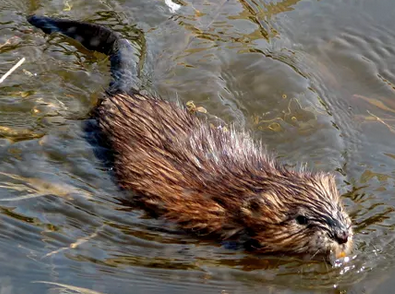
<point x="209" y="180"/>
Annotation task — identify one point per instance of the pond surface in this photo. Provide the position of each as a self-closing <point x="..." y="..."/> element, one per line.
<point x="315" y="80"/>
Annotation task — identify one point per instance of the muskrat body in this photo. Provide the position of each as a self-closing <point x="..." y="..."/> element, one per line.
<point x="209" y="180"/>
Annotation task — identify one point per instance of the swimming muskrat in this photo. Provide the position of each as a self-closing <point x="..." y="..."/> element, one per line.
<point x="210" y="181"/>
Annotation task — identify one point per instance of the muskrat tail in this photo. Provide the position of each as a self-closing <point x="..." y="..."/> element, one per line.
<point x="123" y="56"/>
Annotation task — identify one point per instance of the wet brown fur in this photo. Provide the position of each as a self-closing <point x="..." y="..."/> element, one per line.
<point x="210" y="180"/>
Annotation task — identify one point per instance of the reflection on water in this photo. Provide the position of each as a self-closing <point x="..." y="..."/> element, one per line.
<point x="314" y="80"/>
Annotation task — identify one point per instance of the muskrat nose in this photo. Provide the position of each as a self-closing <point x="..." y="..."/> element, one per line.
<point x="341" y="237"/>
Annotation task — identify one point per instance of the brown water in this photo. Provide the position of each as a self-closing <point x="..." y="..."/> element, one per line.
<point x="314" y="79"/>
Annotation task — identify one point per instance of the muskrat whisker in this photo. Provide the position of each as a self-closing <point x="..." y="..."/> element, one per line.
<point x="318" y="250"/>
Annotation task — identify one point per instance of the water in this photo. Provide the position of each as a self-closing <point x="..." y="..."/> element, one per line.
<point x="314" y="79"/>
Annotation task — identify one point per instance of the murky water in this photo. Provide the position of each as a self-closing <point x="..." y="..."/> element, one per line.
<point x="314" y="79"/>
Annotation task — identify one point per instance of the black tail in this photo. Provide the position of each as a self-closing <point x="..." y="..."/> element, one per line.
<point x="123" y="56"/>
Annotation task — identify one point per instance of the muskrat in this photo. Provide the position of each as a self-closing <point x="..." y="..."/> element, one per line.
<point x="211" y="181"/>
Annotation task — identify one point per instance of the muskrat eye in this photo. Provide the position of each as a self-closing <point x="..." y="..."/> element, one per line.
<point x="302" y="220"/>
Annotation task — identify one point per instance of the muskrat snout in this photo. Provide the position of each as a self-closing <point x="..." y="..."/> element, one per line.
<point x="341" y="236"/>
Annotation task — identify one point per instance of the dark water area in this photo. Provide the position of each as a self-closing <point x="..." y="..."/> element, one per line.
<point x="314" y="80"/>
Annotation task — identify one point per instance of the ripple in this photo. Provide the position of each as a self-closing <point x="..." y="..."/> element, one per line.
<point x="313" y="79"/>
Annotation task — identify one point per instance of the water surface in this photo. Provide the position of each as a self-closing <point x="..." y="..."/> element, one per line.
<point x="315" y="80"/>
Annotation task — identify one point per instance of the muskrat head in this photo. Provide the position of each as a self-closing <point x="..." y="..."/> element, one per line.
<point x="299" y="214"/>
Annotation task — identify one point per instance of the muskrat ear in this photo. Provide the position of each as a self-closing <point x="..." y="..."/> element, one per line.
<point x="254" y="207"/>
<point x="251" y="206"/>
<point x="260" y="209"/>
